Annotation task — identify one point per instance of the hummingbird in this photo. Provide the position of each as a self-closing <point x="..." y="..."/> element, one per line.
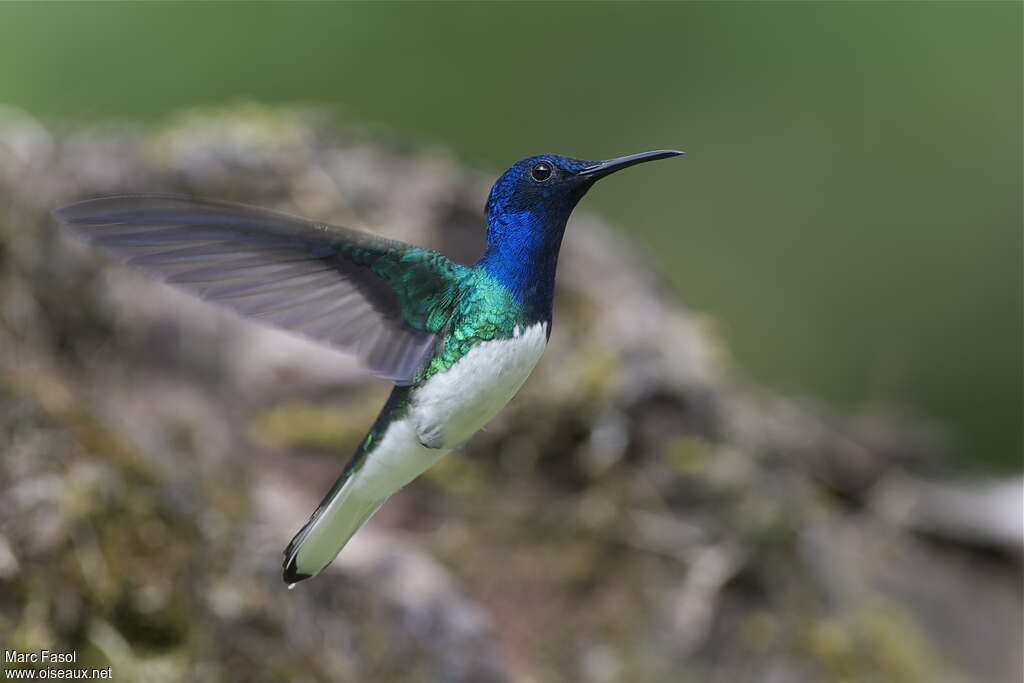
<point x="457" y="341"/>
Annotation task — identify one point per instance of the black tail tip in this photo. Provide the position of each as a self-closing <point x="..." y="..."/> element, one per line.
<point x="291" y="573"/>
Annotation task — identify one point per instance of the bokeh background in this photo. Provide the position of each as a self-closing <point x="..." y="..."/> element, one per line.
<point x="849" y="210"/>
<point x="777" y="440"/>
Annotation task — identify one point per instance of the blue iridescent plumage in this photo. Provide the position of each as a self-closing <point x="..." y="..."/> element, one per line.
<point x="525" y="223"/>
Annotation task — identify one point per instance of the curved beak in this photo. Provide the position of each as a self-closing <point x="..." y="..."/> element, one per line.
<point x="603" y="168"/>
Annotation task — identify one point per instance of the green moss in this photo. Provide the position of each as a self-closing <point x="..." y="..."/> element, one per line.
<point x="893" y="641"/>
<point x="458" y="475"/>
<point x="879" y="643"/>
<point x="760" y="632"/>
<point x="830" y="643"/>
<point x="687" y="455"/>
<point x="598" y="369"/>
<point x="333" y="426"/>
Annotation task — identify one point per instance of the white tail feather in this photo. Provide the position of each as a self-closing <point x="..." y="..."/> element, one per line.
<point x="337" y="519"/>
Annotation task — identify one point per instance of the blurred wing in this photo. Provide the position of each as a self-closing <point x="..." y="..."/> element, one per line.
<point x="383" y="300"/>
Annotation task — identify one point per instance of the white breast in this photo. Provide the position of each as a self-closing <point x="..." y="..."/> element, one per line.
<point x="453" y="405"/>
<point x="448" y="409"/>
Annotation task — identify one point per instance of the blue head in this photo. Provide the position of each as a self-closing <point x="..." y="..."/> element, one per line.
<point x="526" y="216"/>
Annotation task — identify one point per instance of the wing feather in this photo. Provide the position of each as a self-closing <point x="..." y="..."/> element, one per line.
<point x="342" y="287"/>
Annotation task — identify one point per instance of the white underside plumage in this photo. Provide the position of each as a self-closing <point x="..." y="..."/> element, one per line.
<point x="442" y="414"/>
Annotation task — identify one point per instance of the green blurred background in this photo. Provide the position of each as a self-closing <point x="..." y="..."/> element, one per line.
<point x="849" y="208"/>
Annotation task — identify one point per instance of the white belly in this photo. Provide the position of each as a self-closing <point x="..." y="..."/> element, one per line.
<point x="450" y="407"/>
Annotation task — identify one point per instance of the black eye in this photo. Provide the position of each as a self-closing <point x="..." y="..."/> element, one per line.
<point x="541" y="171"/>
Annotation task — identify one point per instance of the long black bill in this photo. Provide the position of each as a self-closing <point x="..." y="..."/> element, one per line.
<point x="603" y="168"/>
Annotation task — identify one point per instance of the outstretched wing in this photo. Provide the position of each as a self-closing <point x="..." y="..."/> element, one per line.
<point x="383" y="300"/>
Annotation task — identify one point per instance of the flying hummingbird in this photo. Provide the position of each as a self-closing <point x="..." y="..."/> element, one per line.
<point x="458" y="341"/>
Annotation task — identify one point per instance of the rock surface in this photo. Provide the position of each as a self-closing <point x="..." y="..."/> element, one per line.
<point x="639" y="513"/>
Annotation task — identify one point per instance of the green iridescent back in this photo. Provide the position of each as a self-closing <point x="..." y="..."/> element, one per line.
<point x="483" y="309"/>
